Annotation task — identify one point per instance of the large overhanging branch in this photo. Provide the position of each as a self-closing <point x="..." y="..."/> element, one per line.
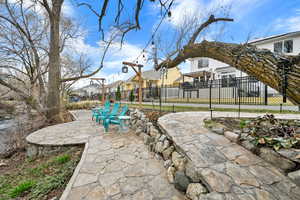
<point x="262" y="64"/>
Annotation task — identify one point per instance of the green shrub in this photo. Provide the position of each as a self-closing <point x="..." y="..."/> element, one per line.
<point x="131" y="96"/>
<point x="62" y="159"/>
<point x="118" y="94"/>
<point x="21" y="188"/>
<point x="82" y="105"/>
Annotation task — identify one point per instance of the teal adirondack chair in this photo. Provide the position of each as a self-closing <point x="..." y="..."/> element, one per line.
<point x="98" y="112"/>
<point x="106" y="115"/>
<point x="115" y="119"/>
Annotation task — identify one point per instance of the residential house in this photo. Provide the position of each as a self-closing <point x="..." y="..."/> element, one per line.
<point x="152" y="80"/>
<point x="88" y="90"/>
<point x="203" y="68"/>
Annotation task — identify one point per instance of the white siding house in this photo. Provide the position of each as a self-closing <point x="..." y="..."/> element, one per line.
<point x="288" y="44"/>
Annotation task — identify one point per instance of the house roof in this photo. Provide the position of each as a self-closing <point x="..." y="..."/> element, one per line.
<point x="273" y="37"/>
<point x="113" y="84"/>
<point x="151" y="75"/>
<point x="196" y="74"/>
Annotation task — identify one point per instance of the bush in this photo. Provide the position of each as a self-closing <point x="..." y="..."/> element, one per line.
<point x="62" y="159"/>
<point x="118" y="94"/>
<point x="131" y="96"/>
<point x="82" y="105"/>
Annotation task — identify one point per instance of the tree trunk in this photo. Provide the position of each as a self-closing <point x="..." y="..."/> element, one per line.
<point x="54" y="75"/>
<point x="262" y="64"/>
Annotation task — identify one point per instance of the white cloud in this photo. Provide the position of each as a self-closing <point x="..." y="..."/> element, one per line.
<point x="288" y="24"/>
<point x="201" y="9"/>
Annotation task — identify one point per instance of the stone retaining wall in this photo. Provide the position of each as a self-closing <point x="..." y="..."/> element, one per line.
<point x="287" y="160"/>
<point x="174" y="159"/>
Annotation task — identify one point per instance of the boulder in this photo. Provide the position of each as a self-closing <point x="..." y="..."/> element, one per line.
<point x="162" y="138"/>
<point x="232" y="136"/>
<point x="292" y="154"/>
<point x="194" y="190"/>
<point x="218" y="130"/>
<point x="147" y="139"/>
<point x="181" y="181"/>
<point x="153" y="131"/>
<point x="178" y="161"/>
<point x="295" y="176"/>
<point x="166" y="144"/>
<point x="170" y="174"/>
<point x="168" y="152"/>
<point x="159" y="147"/>
<point x="249" y="146"/>
<point x="276" y="159"/>
<point x="138" y="131"/>
<point x="167" y="164"/>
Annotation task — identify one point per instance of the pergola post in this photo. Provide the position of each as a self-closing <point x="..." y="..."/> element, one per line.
<point x="140" y="78"/>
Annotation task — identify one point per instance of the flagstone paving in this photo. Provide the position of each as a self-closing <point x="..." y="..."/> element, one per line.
<point x="227" y="169"/>
<point x="113" y="165"/>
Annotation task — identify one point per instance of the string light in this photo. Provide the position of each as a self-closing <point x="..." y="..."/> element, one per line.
<point x="156" y="29"/>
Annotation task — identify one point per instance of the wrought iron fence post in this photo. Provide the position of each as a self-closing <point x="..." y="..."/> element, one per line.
<point x="266" y="95"/>
<point x="210" y="108"/>
<point x="160" y="100"/>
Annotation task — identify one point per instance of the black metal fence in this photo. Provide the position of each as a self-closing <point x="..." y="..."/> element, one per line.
<point x="242" y="90"/>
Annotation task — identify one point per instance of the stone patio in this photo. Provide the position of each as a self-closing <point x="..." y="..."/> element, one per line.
<point x="228" y="170"/>
<point x="113" y="165"/>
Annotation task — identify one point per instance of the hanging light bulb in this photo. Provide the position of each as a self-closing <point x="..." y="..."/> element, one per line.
<point x="125" y="69"/>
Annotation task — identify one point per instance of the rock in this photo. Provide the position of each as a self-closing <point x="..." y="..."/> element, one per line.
<point x="292" y="154"/>
<point x="3" y="164"/>
<point x="153" y="131"/>
<point x="167" y="164"/>
<point x="159" y="147"/>
<point x="178" y="160"/>
<point x="138" y="131"/>
<point x="170" y="174"/>
<point x="194" y="190"/>
<point x="166" y="144"/>
<point x="246" y="130"/>
<point x="157" y="137"/>
<point x="162" y="138"/>
<point x="237" y="131"/>
<point x="295" y="176"/>
<point x="147" y="139"/>
<point x="249" y="146"/>
<point x="181" y="181"/>
<point x="232" y="136"/>
<point x="276" y="159"/>
<point x="168" y="152"/>
<point x="32" y="150"/>
<point x="218" y="130"/>
<point x="148" y="125"/>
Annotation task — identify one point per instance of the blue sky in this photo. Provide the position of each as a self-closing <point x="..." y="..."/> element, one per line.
<point x="252" y="19"/>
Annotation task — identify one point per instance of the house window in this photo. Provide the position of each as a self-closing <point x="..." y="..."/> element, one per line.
<point x="278" y="47"/>
<point x="202" y="62"/>
<point x="288" y="46"/>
